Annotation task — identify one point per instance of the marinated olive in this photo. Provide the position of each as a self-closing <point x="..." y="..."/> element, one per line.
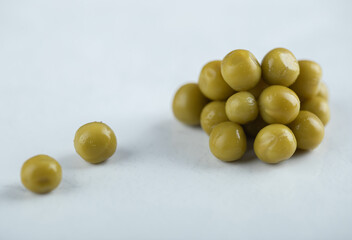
<point x="258" y="89"/>
<point x="242" y="108"/>
<point x="252" y="128"/>
<point x="275" y="143"/>
<point x="278" y="104"/>
<point x="319" y="106"/>
<point x="212" y="84"/>
<point x="213" y="113"/>
<point x="188" y="104"/>
<point x="323" y="91"/>
<point x="307" y="83"/>
<point x="227" y="141"/>
<point x="95" y="142"/>
<point x="308" y="130"/>
<point x="41" y="174"/>
<point x="280" y="67"/>
<point x="241" y="70"/>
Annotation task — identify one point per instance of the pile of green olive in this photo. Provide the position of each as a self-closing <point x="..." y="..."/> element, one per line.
<point x="281" y="103"/>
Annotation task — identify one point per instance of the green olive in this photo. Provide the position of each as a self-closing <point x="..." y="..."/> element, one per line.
<point x="241" y="70"/>
<point x="95" y="142"/>
<point x="307" y="83"/>
<point x="308" y="130"/>
<point x="227" y="141"/>
<point x="241" y="108"/>
<point x="280" y="67"/>
<point x="319" y="106"/>
<point x="252" y="128"/>
<point x="323" y="91"/>
<point x="275" y="143"/>
<point x="258" y="89"/>
<point x="41" y="174"/>
<point x="213" y="113"/>
<point x="212" y="84"/>
<point x="278" y="104"/>
<point x="188" y="104"/>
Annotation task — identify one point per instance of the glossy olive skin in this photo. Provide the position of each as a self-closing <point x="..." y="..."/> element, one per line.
<point x="323" y="91"/>
<point x="319" y="106"/>
<point x="41" y="174"/>
<point x="280" y="67"/>
<point x="308" y="130"/>
<point x="241" y="70"/>
<point x="241" y="108"/>
<point x="228" y="141"/>
<point x="213" y="114"/>
<point x="307" y="83"/>
<point x="212" y="84"/>
<point x="259" y="88"/>
<point x="95" y="142"/>
<point x="188" y="104"/>
<point x="252" y="128"/>
<point x="275" y="143"/>
<point x="278" y="104"/>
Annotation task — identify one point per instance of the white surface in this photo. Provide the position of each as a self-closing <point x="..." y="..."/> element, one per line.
<point x="65" y="63"/>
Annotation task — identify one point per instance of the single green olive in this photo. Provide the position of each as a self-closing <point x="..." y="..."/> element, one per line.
<point x="308" y="130"/>
<point x="241" y="108"/>
<point x="241" y="70"/>
<point x="212" y="114"/>
<point x="319" y="106"/>
<point x="278" y="104"/>
<point x="212" y="84"/>
<point x="188" y="104"/>
<point x="323" y="91"/>
<point x="228" y="141"/>
<point x="275" y="143"/>
<point x="252" y="128"/>
<point x="307" y="83"/>
<point x="95" y="142"/>
<point x="280" y="67"/>
<point x="41" y="174"/>
<point x="258" y="89"/>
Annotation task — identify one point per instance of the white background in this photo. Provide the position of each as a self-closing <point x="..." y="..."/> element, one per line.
<point x="65" y="63"/>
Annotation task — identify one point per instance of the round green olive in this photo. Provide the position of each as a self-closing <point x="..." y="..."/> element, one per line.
<point x="95" y="142"/>
<point x="307" y="83"/>
<point x="41" y="174"/>
<point x="278" y="104"/>
<point x="308" y="130"/>
<point x="258" y="89"/>
<point x="241" y="108"/>
<point x="323" y="91"/>
<point x="228" y="141"/>
<point x="319" y="106"/>
<point x="188" y="104"/>
<point x="212" y="84"/>
<point x="213" y="113"/>
<point x="280" y="67"/>
<point x="275" y="143"/>
<point x="241" y="70"/>
<point x="251" y="129"/>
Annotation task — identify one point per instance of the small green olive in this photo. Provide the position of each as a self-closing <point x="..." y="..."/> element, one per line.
<point x="323" y="91"/>
<point x="228" y="141"/>
<point x="241" y="70"/>
<point x="258" y="89"/>
<point x="280" y="67"/>
<point x="213" y="113"/>
<point x="95" y="142"/>
<point x="278" y="104"/>
<point x="308" y="130"/>
<point x="188" y="104"/>
<point x="212" y="84"/>
<point x="41" y="174"/>
<point x="275" y="143"/>
<point x="319" y="106"/>
<point x="307" y="83"/>
<point x="241" y="108"/>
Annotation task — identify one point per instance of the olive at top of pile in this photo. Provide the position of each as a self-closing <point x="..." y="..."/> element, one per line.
<point x="282" y="102"/>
